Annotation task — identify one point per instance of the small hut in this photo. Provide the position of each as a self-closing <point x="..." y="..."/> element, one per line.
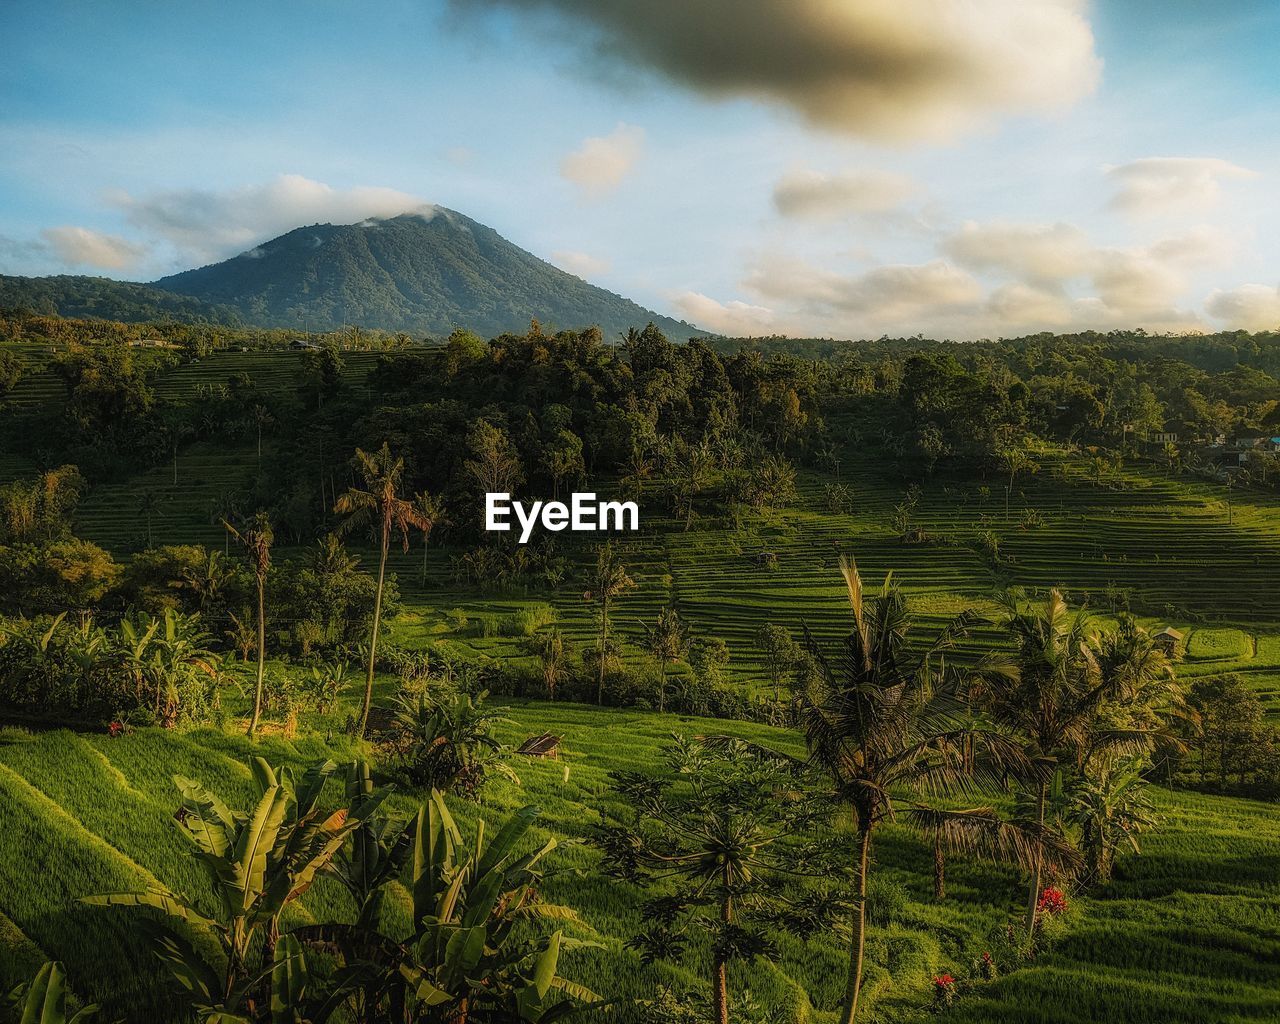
<point x="1171" y="642"/>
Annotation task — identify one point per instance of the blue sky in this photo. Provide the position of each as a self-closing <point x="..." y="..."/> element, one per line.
<point x="843" y="169"/>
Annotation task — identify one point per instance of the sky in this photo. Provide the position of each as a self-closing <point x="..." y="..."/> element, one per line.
<point x="832" y="168"/>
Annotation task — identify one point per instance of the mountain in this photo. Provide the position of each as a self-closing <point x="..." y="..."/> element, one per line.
<point x="422" y="273"/>
<point x="417" y="273"/>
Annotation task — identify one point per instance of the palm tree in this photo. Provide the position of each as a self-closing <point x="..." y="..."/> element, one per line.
<point x="1014" y="461"/>
<point x="226" y="506"/>
<point x="256" y="537"/>
<point x="881" y="718"/>
<point x="552" y="650"/>
<point x="260" y="416"/>
<point x="431" y="508"/>
<point x="667" y="640"/>
<point x="1049" y="692"/>
<point x="608" y="581"/>
<point x="380" y="507"/>
<point x="148" y="506"/>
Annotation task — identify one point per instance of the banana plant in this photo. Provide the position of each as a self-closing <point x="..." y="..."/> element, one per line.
<point x="259" y="864"/>
<point x="43" y="1000"/>
<point x="467" y="960"/>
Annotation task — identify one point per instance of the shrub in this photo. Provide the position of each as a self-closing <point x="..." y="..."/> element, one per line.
<point x="447" y="742"/>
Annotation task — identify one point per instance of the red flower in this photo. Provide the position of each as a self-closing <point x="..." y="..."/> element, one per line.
<point x="943" y="981"/>
<point x="1052" y="901"/>
<point x="115" y="728"/>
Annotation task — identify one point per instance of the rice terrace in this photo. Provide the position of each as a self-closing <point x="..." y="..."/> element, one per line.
<point x="836" y="580"/>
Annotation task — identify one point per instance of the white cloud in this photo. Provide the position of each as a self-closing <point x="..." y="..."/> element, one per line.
<point x="83" y="247"/>
<point x="582" y="264"/>
<point x="1033" y="252"/>
<point x="204" y="225"/>
<point x="1250" y="307"/>
<point x="734" y="319"/>
<point x="812" y="195"/>
<point x="1155" y="186"/>
<point x="902" y="291"/>
<point x="896" y="69"/>
<point x="600" y="164"/>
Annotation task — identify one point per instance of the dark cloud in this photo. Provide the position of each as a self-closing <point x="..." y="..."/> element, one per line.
<point x="884" y="68"/>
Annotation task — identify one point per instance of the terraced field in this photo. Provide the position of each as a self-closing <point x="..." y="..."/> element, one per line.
<point x="1178" y="552"/>
<point x="1186" y="934"/>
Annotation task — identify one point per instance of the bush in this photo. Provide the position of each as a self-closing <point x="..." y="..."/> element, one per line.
<point x="446" y="741"/>
<point x="887" y="902"/>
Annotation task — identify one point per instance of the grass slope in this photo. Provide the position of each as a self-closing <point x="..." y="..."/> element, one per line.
<point x="1188" y="933"/>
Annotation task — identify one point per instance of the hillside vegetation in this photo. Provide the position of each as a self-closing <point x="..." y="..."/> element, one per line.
<point x="884" y="662"/>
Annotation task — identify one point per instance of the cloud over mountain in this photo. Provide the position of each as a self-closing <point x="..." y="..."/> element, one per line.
<point x="83" y="247"/>
<point x="204" y="225"/>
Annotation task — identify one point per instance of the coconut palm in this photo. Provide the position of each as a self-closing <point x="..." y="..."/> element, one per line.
<point x="149" y="503"/>
<point x="378" y="506"/>
<point x="208" y="579"/>
<point x="607" y="582"/>
<point x="667" y="640"/>
<point x="256" y="536"/>
<point x="881" y="719"/>
<point x="431" y="508"/>
<point x="1014" y="461"/>
<point x="1049" y="692"/>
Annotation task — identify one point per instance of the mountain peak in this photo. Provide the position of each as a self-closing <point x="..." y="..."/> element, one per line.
<point x="424" y="271"/>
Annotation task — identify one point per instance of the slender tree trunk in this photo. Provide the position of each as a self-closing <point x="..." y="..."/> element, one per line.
<point x="1033" y="896"/>
<point x="604" y="645"/>
<point x="662" y="688"/>
<point x="373" y="639"/>
<point x="858" y="938"/>
<point x="939" y="870"/>
<point x="262" y="657"/>
<point x="720" y="993"/>
<point x="175" y="463"/>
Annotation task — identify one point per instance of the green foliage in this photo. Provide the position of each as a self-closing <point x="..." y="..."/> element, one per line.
<point x="44" y="999"/>
<point x="447" y="741"/>
<point x="711" y="839"/>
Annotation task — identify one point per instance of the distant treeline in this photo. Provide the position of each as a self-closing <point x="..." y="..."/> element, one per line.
<point x="701" y="429"/>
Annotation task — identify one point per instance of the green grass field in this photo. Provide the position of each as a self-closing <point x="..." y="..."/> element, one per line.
<point x="1187" y="933"/>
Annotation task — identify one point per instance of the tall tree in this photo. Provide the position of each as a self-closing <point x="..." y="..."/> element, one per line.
<point x="432" y="510"/>
<point x="379" y="507"/>
<point x="714" y="838"/>
<point x="607" y="582"/>
<point x="1049" y="691"/>
<point x="1015" y="462"/>
<point x="256" y="536"/>
<point x="668" y="641"/>
<point x="882" y="719"/>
